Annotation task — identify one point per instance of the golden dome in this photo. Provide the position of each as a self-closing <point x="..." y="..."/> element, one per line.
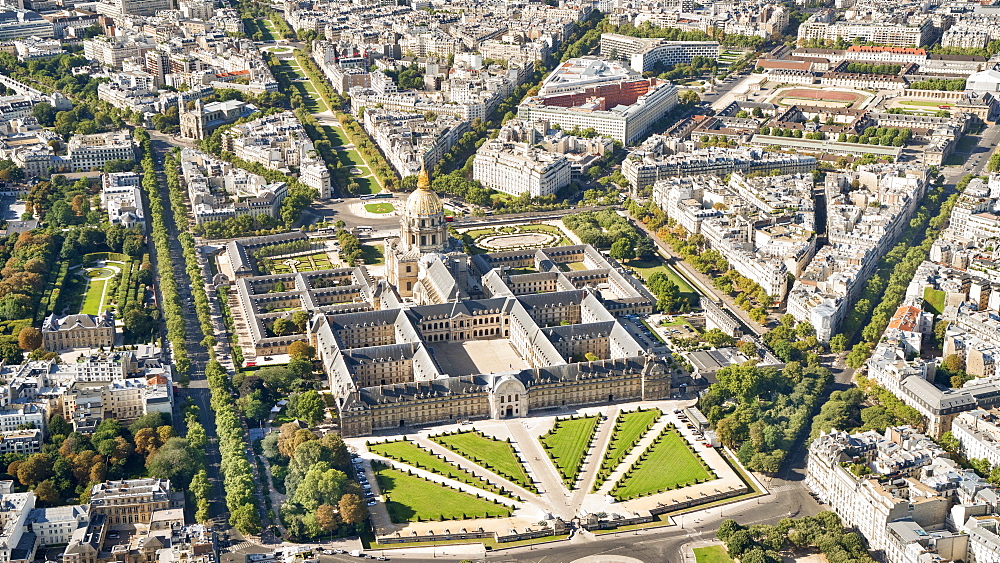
<point x="423" y="202"/>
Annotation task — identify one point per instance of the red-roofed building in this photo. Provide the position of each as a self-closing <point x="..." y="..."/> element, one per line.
<point x="885" y="54"/>
<point x="912" y="323"/>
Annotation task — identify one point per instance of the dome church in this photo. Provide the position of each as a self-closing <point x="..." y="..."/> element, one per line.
<point x="423" y="230"/>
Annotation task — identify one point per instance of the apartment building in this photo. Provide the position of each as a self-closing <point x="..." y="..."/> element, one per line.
<point x="410" y="141"/>
<point x="978" y="431"/>
<point x="55" y="525"/>
<point x="17" y="544"/>
<point x="645" y="54"/>
<point x="112" y="51"/>
<point x="87" y="152"/>
<point x="219" y="190"/>
<point x="823" y="25"/>
<point x="900" y="491"/>
<point x="749" y="221"/>
<point x="519" y="168"/>
<point x="862" y="225"/>
<point x="121" y="196"/>
<point x="23" y="442"/>
<point x="622" y="108"/>
<point x="278" y="141"/>
<point x="661" y="157"/>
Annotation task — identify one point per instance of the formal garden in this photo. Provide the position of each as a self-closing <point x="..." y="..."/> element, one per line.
<point x="495" y="455"/>
<point x="629" y="428"/>
<point x="410" y="498"/>
<point x="669" y="463"/>
<point x="513" y="237"/>
<point x="405" y="451"/>
<point x="567" y="445"/>
<point x="103" y="281"/>
<point x="290" y="265"/>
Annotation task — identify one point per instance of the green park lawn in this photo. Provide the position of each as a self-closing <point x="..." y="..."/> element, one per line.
<point x="365" y="185"/>
<point x="567" y="445"/>
<point x="412" y="499"/>
<point x="920" y="103"/>
<point x="712" y="554"/>
<point x="934" y="300"/>
<point x="409" y="453"/>
<point x="291" y="69"/>
<point x="93" y="299"/>
<point x="373" y="255"/>
<point x="629" y="427"/>
<point x="669" y="464"/>
<point x="495" y="455"/>
<point x="647" y="268"/>
<point x="336" y="135"/>
<point x="383" y="207"/>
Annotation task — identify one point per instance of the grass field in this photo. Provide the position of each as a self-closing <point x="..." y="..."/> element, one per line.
<point x="93" y="299"/>
<point x="567" y="445"/>
<point x="372" y="255"/>
<point x="630" y="426"/>
<point x="669" y="464"/>
<point x="492" y="454"/>
<point x="711" y="554"/>
<point x="379" y="207"/>
<point x="921" y="103"/>
<point x="646" y="268"/>
<point x="412" y="499"/>
<point x="409" y="453"/>
<point x="291" y="70"/>
<point x="934" y="300"/>
<point x="336" y="135"/>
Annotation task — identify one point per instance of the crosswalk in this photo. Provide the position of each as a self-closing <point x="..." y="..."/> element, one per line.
<point x="238" y="546"/>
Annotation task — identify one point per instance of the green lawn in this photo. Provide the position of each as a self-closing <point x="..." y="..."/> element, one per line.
<point x="372" y="255"/>
<point x="291" y="70"/>
<point x="412" y="499"/>
<point x="629" y="427"/>
<point x="934" y="300"/>
<point x="711" y="554"/>
<point x="647" y="268"/>
<point x="920" y="103"/>
<point x="668" y="464"/>
<point x="567" y="445"/>
<point x="93" y="299"/>
<point x="351" y="157"/>
<point x="379" y="207"/>
<point x="366" y="185"/>
<point x="409" y="453"/>
<point x="336" y="135"/>
<point x="493" y="454"/>
<point x="362" y="171"/>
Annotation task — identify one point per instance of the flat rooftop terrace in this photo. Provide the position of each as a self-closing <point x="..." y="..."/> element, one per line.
<point x="477" y="356"/>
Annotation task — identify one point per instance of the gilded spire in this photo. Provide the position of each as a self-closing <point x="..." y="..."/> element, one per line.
<point x="423" y="180"/>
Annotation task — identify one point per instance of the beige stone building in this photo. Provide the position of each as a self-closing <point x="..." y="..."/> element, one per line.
<point x="78" y="331"/>
<point x="130" y="501"/>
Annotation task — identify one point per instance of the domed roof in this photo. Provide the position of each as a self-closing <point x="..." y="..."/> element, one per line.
<point x="423" y="202"/>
